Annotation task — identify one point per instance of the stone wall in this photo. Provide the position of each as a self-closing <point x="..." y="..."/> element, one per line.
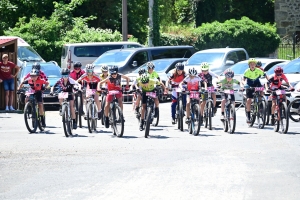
<point x="287" y="17"/>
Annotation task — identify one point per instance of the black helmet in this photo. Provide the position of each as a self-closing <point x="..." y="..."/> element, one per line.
<point x="141" y="71"/>
<point x="179" y="66"/>
<point x="77" y="65"/>
<point x="35" y="72"/>
<point x="65" y="71"/>
<point x="259" y="64"/>
<point x="113" y="69"/>
<point x="36" y="66"/>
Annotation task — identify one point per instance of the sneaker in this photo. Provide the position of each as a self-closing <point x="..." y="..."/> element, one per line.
<point x="173" y="121"/>
<point x="85" y="117"/>
<point x="106" y="122"/>
<point x="7" y="108"/>
<point x="187" y="120"/>
<point x="100" y="114"/>
<point x="156" y="112"/>
<point x="142" y="125"/>
<point x="272" y="121"/>
<point x="136" y="111"/>
<point x="43" y="121"/>
<point x="11" y="108"/>
<point x="248" y="120"/>
<point x="74" y="125"/>
<point x="60" y="113"/>
<point x="82" y="113"/>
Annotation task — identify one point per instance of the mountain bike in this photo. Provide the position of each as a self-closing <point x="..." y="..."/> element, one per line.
<point x="281" y="115"/>
<point x="294" y="110"/>
<point x="179" y="109"/>
<point x="258" y="108"/>
<point x="32" y="117"/>
<point x="66" y="113"/>
<point x="208" y="109"/>
<point x="150" y="109"/>
<point x="78" y="107"/>
<point x="116" y="118"/>
<point x="229" y="121"/>
<point x="194" y="125"/>
<point x="92" y="111"/>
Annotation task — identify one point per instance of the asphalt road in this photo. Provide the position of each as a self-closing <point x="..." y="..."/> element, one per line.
<point x="250" y="164"/>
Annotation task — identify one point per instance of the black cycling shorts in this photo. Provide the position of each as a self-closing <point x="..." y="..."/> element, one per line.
<point x="224" y="96"/>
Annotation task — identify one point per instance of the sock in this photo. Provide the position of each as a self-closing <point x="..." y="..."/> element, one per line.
<point x="74" y="121"/>
<point x="222" y="113"/>
<point x="248" y="114"/>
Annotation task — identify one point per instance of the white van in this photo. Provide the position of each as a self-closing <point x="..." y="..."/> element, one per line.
<point x="25" y="51"/>
<point x="87" y="53"/>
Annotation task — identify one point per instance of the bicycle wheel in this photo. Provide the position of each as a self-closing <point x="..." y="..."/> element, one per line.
<point x="226" y="119"/>
<point x="231" y="119"/>
<point x="66" y="122"/>
<point x="103" y="107"/>
<point x="284" y="120"/>
<point x="156" y="119"/>
<point x="39" y="119"/>
<point x="118" y="121"/>
<point x="30" y="118"/>
<point x="195" y="120"/>
<point x="261" y="114"/>
<point x="209" y="113"/>
<point x="89" y="117"/>
<point x="177" y="115"/>
<point x="180" y="115"/>
<point x="252" y="114"/>
<point x="95" y="118"/>
<point x="148" y="122"/>
<point x="293" y="110"/>
<point x="79" y="111"/>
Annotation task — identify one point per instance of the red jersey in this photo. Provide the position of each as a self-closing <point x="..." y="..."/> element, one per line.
<point x="35" y="85"/>
<point x="276" y="82"/>
<point x="114" y="83"/>
<point x="42" y="76"/>
<point x="92" y="82"/>
<point x="5" y="70"/>
<point x="74" y="75"/>
<point x="176" y="79"/>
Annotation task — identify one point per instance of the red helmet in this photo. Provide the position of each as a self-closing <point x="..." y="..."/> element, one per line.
<point x="278" y="70"/>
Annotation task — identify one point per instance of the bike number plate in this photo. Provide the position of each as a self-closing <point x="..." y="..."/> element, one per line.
<point x="210" y="89"/>
<point x="29" y="92"/>
<point x="151" y="94"/>
<point x="259" y="88"/>
<point x="113" y="92"/>
<point x="194" y="95"/>
<point x="90" y="92"/>
<point x="228" y="91"/>
<point x="177" y="89"/>
<point x="279" y="92"/>
<point x="63" y="95"/>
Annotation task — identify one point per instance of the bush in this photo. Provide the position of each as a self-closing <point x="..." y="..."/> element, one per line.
<point x="258" y="39"/>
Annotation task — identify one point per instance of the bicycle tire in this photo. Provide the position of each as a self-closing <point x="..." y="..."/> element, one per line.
<point x="210" y="113"/>
<point x="232" y="115"/>
<point x="118" y="119"/>
<point x="277" y="122"/>
<point x="39" y="119"/>
<point x="79" y="111"/>
<point x="148" y="122"/>
<point x="196" y="119"/>
<point x="177" y="115"/>
<point x="89" y="117"/>
<point x="156" y="119"/>
<point x="29" y="110"/>
<point x="95" y="118"/>
<point x="226" y="119"/>
<point x="103" y="108"/>
<point x="292" y="105"/>
<point x="262" y="114"/>
<point x="252" y="114"/>
<point x="284" y="117"/>
<point x="65" y="122"/>
<point x="205" y="117"/>
<point x="180" y="116"/>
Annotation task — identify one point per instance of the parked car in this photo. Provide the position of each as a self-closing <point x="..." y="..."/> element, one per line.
<point x="218" y="59"/>
<point x="162" y="67"/>
<point x="129" y="60"/>
<point x="52" y="71"/>
<point x="240" y="68"/>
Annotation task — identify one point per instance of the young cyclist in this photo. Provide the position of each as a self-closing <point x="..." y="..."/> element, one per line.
<point x="92" y="81"/>
<point x="67" y="84"/>
<point x="206" y="76"/>
<point x="175" y="79"/>
<point x="138" y="95"/>
<point x="193" y="82"/>
<point x="251" y="78"/>
<point x="275" y="82"/>
<point x="227" y="84"/>
<point x="36" y="83"/>
<point x="104" y="74"/>
<point x="146" y="85"/>
<point x="38" y="67"/>
<point x="113" y="83"/>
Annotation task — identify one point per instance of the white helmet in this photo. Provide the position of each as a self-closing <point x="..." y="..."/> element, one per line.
<point x="89" y="67"/>
<point x="193" y="72"/>
<point x="104" y="68"/>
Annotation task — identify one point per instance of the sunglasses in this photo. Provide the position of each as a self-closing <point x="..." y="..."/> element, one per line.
<point x="4" y="57"/>
<point x="204" y="70"/>
<point x="113" y="73"/>
<point x="76" y="68"/>
<point x="89" y="71"/>
<point x="33" y="76"/>
<point x="65" y="76"/>
<point x="278" y="74"/>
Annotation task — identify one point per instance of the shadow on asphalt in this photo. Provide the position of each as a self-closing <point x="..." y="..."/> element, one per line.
<point x="5" y="117"/>
<point x="206" y="135"/>
<point x="126" y="137"/>
<point x="45" y="132"/>
<point x="242" y="133"/>
<point x="76" y="135"/>
<point x="158" y="136"/>
<point x="53" y="126"/>
<point x="292" y="133"/>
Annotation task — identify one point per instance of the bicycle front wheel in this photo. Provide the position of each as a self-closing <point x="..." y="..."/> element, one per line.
<point x="209" y="115"/>
<point x="261" y="114"/>
<point x="66" y="122"/>
<point x="284" y="119"/>
<point x="90" y="117"/>
<point x="252" y="114"/>
<point x="195" y="119"/>
<point x="180" y="115"/>
<point x="231" y="119"/>
<point x="103" y="107"/>
<point x="293" y="110"/>
<point x="148" y="122"/>
<point x="30" y="118"/>
<point x="118" y="121"/>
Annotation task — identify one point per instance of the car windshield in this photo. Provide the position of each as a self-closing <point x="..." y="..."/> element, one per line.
<point x="241" y="67"/>
<point x="212" y="58"/>
<point x="115" y="58"/>
<point x="271" y="70"/>
<point x="28" y="54"/>
<point x="50" y="71"/>
<point x="160" y="65"/>
<point x="292" y="68"/>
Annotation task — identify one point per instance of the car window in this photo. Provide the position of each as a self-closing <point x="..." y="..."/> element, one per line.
<point x="239" y="68"/>
<point x="270" y="65"/>
<point x="50" y="71"/>
<point x="211" y="58"/>
<point x="140" y="58"/>
<point x="94" y="51"/>
<point x="112" y="57"/>
<point x="232" y="56"/>
<point x="64" y="51"/>
<point x="293" y="67"/>
<point x="171" y="53"/>
<point x="133" y="46"/>
<point x="27" y="53"/>
<point x="241" y="55"/>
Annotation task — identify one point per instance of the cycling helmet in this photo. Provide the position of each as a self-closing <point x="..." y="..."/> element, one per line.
<point x="104" y="68"/>
<point x="65" y="72"/>
<point x="113" y="69"/>
<point x="35" y="72"/>
<point x="150" y="65"/>
<point x="204" y="66"/>
<point x="193" y="72"/>
<point x="36" y="66"/>
<point x="141" y="71"/>
<point x="278" y="70"/>
<point x="145" y="78"/>
<point x="252" y="60"/>
<point x="179" y="66"/>
<point x="77" y="65"/>
<point x="259" y="64"/>
<point x="229" y="73"/>
<point x="89" y="67"/>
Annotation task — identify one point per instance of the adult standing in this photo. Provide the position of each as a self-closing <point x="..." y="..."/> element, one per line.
<point x="8" y="80"/>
